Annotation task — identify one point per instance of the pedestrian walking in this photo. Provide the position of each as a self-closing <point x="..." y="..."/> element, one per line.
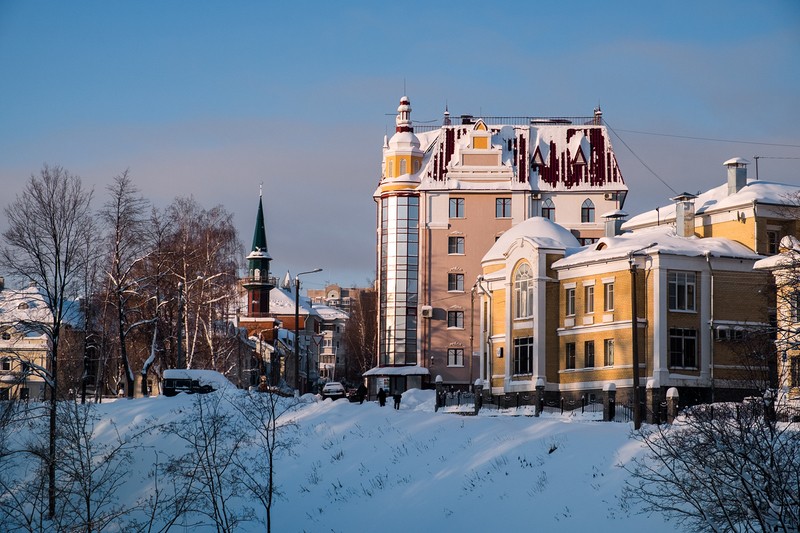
<point x="397" y="397"/>
<point x="382" y="397"/>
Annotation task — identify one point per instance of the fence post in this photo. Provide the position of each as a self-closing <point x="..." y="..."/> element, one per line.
<point x="672" y="404"/>
<point x="439" y="392"/>
<point x="609" y="401"/>
<point x="539" y="396"/>
<point x="478" y="395"/>
<point x="652" y="401"/>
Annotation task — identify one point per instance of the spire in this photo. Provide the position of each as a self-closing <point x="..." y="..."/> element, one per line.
<point x="446" y="121"/>
<point x="260" y="233"/>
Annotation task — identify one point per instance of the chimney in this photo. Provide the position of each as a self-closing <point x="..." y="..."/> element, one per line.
<point x="737" y="174"/>
<point x="684" y="214"/>
<point x="613" y="222"/>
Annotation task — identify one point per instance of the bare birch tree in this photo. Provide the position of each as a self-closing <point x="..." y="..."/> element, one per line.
<point x="49" y="226"/>
<point x="125" y="217"/>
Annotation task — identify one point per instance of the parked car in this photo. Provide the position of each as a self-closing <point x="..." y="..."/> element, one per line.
<point x="333" y="390"/>
<point x="192" y="381"/>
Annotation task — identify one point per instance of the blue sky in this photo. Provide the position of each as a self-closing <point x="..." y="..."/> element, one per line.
<point x="211" y="98"/>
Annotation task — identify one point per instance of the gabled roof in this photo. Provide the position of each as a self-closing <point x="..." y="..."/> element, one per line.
<point x="718" y="199"/>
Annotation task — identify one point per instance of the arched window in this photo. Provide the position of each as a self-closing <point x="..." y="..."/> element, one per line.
<point x="523" y="292"/>
<point x="549" y="209"/>
<point x="587" y="211"/>
<point x="389" y="169"/>
<point x="403" y="165"/>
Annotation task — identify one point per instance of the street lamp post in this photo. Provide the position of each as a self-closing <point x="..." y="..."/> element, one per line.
<point x="297" y="324"/>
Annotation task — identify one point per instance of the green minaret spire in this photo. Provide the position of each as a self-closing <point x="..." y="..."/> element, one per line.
<point x="259" y="282"/>
<point x="260" y="233"/>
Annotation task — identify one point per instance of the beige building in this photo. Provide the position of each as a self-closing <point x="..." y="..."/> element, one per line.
<point x="445" y="195"/>
<point x="23" y="346"/>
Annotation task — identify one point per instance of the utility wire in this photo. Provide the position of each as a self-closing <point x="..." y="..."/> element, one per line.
<point x="712" y="139"/>
<point x="639" y="158"/>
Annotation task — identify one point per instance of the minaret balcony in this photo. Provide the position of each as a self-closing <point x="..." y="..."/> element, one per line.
<point x="258" y="281"/>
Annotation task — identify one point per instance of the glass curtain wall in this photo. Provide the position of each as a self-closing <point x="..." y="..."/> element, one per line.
<point x="399" y="270"/>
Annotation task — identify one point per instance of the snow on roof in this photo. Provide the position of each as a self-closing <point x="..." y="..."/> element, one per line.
<point x="616" y="213"/>
<point x="538" y="231"/>
<point x="28" y="305"/>
<point x="397" y="371"/>
<point x="327" y="312"/>
<point x="789" y="257"/>
<point x="663" y="239"/>
<point x="281" y="302"/>
<point x="717" y="199"/>
<point x="546" y="136"/>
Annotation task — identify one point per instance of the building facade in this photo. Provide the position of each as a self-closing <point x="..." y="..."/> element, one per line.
<point x="785" y="267"/>
<point x="445" y="195"/>
<point x="577" y="337"/>
<point x="24" y="347"/>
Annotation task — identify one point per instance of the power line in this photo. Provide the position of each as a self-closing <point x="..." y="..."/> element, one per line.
<point x="713" y="139"/>
<point x="639" y="158"/>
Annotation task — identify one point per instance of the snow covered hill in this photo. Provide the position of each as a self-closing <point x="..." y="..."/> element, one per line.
<point x="366" y="468"/>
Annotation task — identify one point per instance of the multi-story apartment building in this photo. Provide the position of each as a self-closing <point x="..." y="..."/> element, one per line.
<point x="445" y="195"/>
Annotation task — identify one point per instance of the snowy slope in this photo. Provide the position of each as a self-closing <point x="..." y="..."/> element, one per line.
<point x="367" y="468"/>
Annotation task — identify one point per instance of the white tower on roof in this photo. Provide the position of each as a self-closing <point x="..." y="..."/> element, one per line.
<point x="398" y="245"/>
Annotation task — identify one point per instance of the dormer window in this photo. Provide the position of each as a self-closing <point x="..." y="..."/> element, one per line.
<point x="23" y="305"/>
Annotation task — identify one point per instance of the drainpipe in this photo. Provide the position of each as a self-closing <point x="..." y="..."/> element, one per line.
<point x="471" y="328"/>
<point x="711" y="324"/>
<point x="487" y="346"/>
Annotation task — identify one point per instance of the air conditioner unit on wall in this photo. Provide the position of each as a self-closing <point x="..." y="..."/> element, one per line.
<point x="426" y="311"/>
<point x="609" y="196"/>
<point x="536" y="196"/>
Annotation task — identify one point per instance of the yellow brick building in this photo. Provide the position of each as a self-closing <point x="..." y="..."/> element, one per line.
<point x="756" y="213"/>
<point x="576" y="338"/>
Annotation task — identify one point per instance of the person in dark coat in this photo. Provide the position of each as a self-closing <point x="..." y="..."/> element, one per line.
<point x="362" y="393"/>
<point x="382" y="397"/>
<point x="397" y="397"/>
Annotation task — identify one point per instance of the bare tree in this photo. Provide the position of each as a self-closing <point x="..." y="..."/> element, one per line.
<point x="125" y="217"/>
<point x="361" y="335"/>
<point x="268" y="414"/>
<point x="49" y="226"/>
<point x="90" y="472"/>
<point x="721" y="467"/>
<point x="205" y="250"/>
<point x="208" y="471"/>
